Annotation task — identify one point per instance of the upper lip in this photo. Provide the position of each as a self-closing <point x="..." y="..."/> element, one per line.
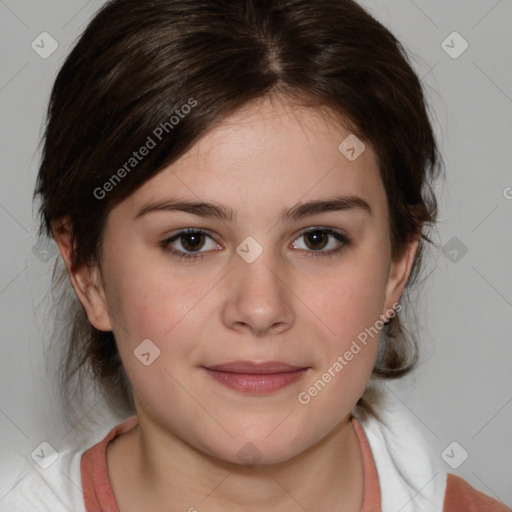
<point x="252" y="367"/>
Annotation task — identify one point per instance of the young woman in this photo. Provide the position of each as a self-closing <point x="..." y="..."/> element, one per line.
<point x="240" y="193"/>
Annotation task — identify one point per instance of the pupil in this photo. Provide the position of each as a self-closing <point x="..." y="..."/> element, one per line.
<point x="316" y="236"/>
<point x="196" y="238"/>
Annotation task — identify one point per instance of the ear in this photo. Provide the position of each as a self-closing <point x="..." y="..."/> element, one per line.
<point x="86" y="280"/>
<point x="399" y="273"/>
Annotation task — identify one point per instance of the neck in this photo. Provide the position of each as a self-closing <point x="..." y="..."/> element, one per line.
<point x="165" y="470"/>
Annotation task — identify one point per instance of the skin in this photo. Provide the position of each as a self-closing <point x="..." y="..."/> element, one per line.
<point x="290" y="304"/>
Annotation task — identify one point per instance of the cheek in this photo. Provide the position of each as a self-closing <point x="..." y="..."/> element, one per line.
<point x="348" y="353"/>
<point x="145" y="304"/>
<point x="151" y="306"/>
<point x="349" y="304"/>
<point x="352" y="298"/>
<point x="145" y="298"/>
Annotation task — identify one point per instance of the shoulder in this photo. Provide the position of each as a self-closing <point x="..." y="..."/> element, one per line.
<point x="96" y="483"/>
<point x="52" y="489"/>
<point x="53" y="480"/>
<point x="412" y="477"/>
<point x="462" y="497"/>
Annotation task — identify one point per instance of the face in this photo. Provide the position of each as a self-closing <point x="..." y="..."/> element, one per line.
<point x="253" y="265"/>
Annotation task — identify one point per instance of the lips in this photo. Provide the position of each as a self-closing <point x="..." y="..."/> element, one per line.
<point x="252" y="367"/>
<point x="256" y="378"/>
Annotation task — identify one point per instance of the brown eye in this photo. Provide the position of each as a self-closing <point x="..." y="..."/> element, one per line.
<point x="192" y="241"/>
<point x="316" y="240"/>
<point x="189" y="244"/>
<point x="321" y="242"/>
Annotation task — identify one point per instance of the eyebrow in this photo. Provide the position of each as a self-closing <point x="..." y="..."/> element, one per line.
<point x="217" y="211"/>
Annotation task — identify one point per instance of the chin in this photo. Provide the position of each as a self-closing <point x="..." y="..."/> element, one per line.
<point x="253" y="454"/>
<point x="275" y="446"/>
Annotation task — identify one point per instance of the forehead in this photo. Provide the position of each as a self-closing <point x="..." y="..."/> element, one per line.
<point x="271" y="153"/>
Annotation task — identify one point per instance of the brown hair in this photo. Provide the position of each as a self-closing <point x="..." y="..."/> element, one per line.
<point x="138" y="63"/>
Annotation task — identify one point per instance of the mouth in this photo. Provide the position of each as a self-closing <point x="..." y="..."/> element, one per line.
<point x="256" y="378"/>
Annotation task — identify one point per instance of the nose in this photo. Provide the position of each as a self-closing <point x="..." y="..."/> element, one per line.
<point x="257" y="298"/>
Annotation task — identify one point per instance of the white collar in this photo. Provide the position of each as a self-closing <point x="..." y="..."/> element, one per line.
<point x="398" y="443"/>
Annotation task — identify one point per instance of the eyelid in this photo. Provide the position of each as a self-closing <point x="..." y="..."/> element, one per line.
<point x="340" y="235"/>
<point x="184" y="231"/>
<point x="178" y="232"/>
<point x="327" y="229"/>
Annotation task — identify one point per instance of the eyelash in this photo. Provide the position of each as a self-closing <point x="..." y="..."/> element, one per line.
<point x="344" y="239"/>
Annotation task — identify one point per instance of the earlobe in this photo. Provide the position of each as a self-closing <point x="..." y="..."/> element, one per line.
<point x="86" y="280"/>
<point x="400" y="272"/>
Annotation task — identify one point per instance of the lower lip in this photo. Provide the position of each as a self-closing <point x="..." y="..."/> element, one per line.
<point x="256" y="383"/>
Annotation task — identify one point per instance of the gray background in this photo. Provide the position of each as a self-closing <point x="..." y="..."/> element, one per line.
<point x="462" y="390"/>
